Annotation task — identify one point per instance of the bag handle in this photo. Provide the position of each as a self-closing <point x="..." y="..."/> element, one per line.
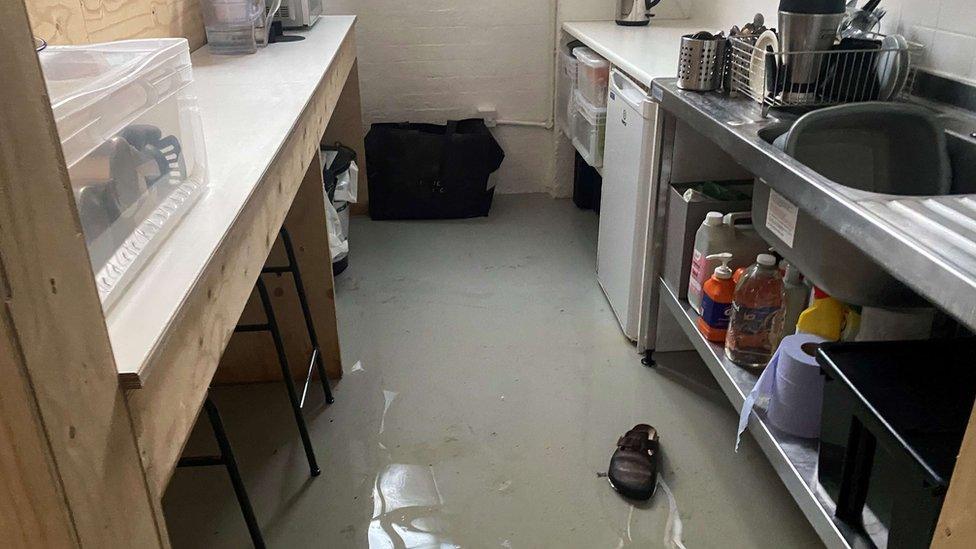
<point x="442" y="172"/>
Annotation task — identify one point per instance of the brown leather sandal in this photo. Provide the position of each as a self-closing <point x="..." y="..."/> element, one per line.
<point x="633" y="467"/>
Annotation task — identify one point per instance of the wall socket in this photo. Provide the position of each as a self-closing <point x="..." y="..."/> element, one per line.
<point x="489" y="113"/>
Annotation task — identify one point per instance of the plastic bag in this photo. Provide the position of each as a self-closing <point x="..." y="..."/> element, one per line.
<point x="338" y="244"/>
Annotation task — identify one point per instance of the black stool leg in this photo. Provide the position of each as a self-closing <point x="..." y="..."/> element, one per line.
<point x="227" y="459"/>
<point x="306" y="312"/>
<point x="286" y="373"/>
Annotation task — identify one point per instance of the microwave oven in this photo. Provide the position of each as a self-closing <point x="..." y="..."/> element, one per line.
<point x="295" y="14"/>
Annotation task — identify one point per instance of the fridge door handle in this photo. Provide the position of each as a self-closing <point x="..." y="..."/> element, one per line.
<point x="628" y="91"/>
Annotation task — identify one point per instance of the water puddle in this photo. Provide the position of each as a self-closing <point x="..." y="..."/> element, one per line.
<point x="407" y="510"/>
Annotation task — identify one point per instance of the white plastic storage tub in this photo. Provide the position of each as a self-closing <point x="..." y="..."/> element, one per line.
<point x="565" y="87"/>
<point x="132" y="140"/>
<point x="593" y="76"/>
<point x="589" y="130"/>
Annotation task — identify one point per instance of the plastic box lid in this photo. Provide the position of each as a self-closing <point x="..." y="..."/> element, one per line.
<point x="589" y="57"/>
<point x="97" y="89"/>
<point x="596" y="116"/>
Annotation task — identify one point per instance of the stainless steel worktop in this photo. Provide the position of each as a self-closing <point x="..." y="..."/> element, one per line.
<point x="928" y="243"/>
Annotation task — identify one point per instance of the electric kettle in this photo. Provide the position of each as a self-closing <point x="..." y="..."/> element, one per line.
<point x="635" y="13"/>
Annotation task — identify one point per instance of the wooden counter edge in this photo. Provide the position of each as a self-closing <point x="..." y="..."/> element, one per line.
<point x="165" y="408"/>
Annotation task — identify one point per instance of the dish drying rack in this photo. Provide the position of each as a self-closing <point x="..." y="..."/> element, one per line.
<point x="838" y="75"/>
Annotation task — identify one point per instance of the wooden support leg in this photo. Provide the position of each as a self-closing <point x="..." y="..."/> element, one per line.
<point x="250" y="357"/>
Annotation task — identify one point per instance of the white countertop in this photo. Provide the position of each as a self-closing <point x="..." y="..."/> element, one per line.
<point x="644" y="53"/>
<point x="249" y="105"/>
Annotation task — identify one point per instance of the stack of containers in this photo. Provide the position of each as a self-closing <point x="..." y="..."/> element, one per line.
<point x="589" y="119"/>
<point x="133" y="145"/>
<point x="565" y="88"/>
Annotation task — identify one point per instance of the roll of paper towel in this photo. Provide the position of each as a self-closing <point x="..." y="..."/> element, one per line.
<point x="790" y="388"/>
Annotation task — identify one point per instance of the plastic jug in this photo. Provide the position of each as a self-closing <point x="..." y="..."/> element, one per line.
<point x="230" y="24"/>
<point x="719" y="234"/>
<point x="756" y="324"/>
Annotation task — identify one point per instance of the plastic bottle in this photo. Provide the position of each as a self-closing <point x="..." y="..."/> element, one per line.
<point x="795" y="295"/>
<point x="717" y="300"/>
<point x="718" y="234"/>
<point x="712" y="237"/>
<point x="826" y="317"/>
<point x="756" y="322"/>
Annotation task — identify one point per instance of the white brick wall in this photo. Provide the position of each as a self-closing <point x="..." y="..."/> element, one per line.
<point x="430" y="60"/>
<point x="434" y="60"/>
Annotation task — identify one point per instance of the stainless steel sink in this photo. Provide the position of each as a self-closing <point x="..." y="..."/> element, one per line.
<point x="913" y="161"/>
<point x="926" y="243"/>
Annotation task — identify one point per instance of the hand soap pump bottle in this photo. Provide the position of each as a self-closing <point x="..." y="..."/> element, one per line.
<point x="717" y="300"/>
<point x="710" y="235"/>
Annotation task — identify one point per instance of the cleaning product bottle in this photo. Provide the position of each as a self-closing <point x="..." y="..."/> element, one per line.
<point x="826" y="317"/>
<point x="795" y="294"/>
<point x="710" y="235"/>
<point x="717" y="300"/>
<point x="719" y="233"/>
<point x="757" y="306"/>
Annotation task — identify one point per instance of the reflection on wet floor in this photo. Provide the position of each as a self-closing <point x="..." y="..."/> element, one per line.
<point x="486" y="386"/>
<point x="407" y="510"/>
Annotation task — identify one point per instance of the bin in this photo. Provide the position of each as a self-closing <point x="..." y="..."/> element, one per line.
<point x="340" y="176"/>
<point x="893" y="419"/>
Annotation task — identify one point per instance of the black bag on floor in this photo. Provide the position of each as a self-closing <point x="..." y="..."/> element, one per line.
<point x="428" y="171"/>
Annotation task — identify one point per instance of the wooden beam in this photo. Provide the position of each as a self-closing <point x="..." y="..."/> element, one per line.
<point x="33" y="511"/>
<point x="346" y="127"/>
<point x="251" y="357"/>
<point x="53" y="322"/>
<point x="957" y="523"/>
<point x="165" y="410"/>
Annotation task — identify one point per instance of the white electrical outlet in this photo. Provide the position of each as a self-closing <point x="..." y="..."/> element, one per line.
<point x="489" y="113"/>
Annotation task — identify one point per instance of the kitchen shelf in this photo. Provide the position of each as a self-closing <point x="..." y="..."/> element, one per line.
<point x="794" y="459"/>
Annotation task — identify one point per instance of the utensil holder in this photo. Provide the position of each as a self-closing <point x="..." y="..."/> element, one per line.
<point x="700" y="63"/>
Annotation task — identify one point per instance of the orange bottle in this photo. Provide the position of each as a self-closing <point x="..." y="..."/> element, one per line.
<point x="717" y="295"/>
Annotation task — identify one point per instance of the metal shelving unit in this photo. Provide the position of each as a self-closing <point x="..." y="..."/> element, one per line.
<point x="794" y="459"/>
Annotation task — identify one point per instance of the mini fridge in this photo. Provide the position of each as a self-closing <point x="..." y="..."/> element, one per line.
<point x="630" y="156"/>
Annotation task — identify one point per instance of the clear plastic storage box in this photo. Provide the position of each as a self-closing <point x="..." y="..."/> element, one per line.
<point x="133" y="144"/>
<point x="593" y="76"/>
<point x="589" y="130"/>
<point x="565" y="87"/>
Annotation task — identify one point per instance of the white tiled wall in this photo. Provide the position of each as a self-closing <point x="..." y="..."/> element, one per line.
<point x="947" y="29"/>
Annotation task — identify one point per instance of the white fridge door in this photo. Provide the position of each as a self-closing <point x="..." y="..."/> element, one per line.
<point x="623" y="206"/>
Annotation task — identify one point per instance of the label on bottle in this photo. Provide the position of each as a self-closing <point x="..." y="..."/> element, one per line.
<point x="715" y="314"/>
<point x="753" y="320"/>
<point x="699" y="270"/>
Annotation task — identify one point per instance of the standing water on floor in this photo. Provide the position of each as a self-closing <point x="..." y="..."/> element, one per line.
<point x="486" y="386"/>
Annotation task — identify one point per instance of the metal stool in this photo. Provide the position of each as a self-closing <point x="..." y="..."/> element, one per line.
<point x="226" y="458"/>
<point x="271" y="325"/>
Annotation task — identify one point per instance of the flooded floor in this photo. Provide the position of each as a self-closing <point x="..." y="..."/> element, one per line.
<point x="486" y="386"/>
